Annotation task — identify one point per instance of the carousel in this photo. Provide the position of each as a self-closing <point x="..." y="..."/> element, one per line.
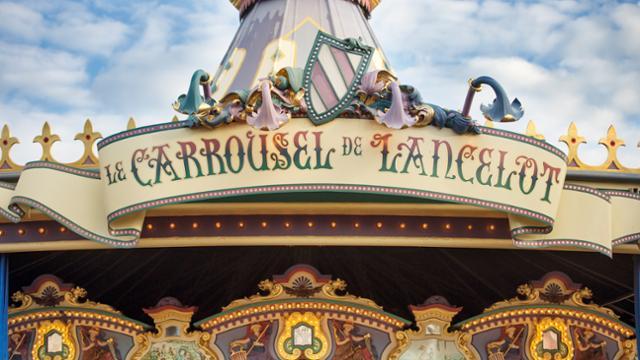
<point x="307" y="203"/>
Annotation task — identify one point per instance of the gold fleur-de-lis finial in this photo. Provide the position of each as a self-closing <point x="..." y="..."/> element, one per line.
<point x="573" y="141"/>
<point x="46" y="140"/>
<point x="131" y="124"/>
<point x="88" y="137"/>
<point x="533" y="132"/>
<point x="175" y="118"/>
<point x="6" y="143"/>
<point x="488" y="123"/>
<point x="612" y="143"/>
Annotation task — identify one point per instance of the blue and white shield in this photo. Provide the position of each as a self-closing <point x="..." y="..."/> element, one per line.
<point x="332" y="75"/>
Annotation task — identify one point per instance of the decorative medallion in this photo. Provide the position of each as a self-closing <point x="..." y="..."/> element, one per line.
<point x="302" y="338"/>
<point x="302" y="287"/>
<point x="50" y="297"/>
<point x="551" y="340"/>
<point x="332" y="75"/>
<point x="53" y="342"/>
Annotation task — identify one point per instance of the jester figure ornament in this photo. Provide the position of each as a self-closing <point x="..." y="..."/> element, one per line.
<point x="335" y="84"/>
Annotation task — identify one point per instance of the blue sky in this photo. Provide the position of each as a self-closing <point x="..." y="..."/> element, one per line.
<point x="64" y="61"/>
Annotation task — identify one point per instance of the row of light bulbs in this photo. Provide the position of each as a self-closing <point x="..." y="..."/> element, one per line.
<point x="311" y="224"/>
<point x="41" y="231"/>
<point x="264" y="225"/>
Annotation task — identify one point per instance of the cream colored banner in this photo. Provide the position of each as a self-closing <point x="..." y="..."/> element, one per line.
<point x="168" y="163"/>
<point x="587" y="217"/>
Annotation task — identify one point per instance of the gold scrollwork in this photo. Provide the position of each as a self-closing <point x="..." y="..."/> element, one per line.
<point x="629" y="350"/>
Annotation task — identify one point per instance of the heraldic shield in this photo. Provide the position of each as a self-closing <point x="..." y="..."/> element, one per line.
<point x="332" y="75"/>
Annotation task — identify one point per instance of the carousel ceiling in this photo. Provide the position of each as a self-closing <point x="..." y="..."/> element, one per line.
<point x="395" y="278"/>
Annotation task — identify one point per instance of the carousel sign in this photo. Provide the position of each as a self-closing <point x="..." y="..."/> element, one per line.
<point x="498" y="168"/>
<point x="169" y="164"/>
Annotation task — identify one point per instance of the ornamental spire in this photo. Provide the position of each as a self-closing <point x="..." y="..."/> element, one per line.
<point x="276" y="34"/>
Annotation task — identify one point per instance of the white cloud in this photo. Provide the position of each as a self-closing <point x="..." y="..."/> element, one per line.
<point x="83" y="32"/>
<point x="156" y="68"/>
<point x="20" y="21"/>
<point x="66" y="25"/>
<point x="140" y="79"/>
<point x="43" y="75"/>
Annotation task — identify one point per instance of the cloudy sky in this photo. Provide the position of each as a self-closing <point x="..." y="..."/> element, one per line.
<point x="64" y="61"/>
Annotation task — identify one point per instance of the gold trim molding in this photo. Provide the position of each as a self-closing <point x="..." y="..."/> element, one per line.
<point x="212" y="241"/>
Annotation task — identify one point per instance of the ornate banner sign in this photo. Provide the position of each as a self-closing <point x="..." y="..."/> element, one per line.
<point x="168" y="164"/>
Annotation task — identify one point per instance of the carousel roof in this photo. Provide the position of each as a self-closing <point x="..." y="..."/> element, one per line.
<point x="280" y="33"/>
<point x="244" y="5"/>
